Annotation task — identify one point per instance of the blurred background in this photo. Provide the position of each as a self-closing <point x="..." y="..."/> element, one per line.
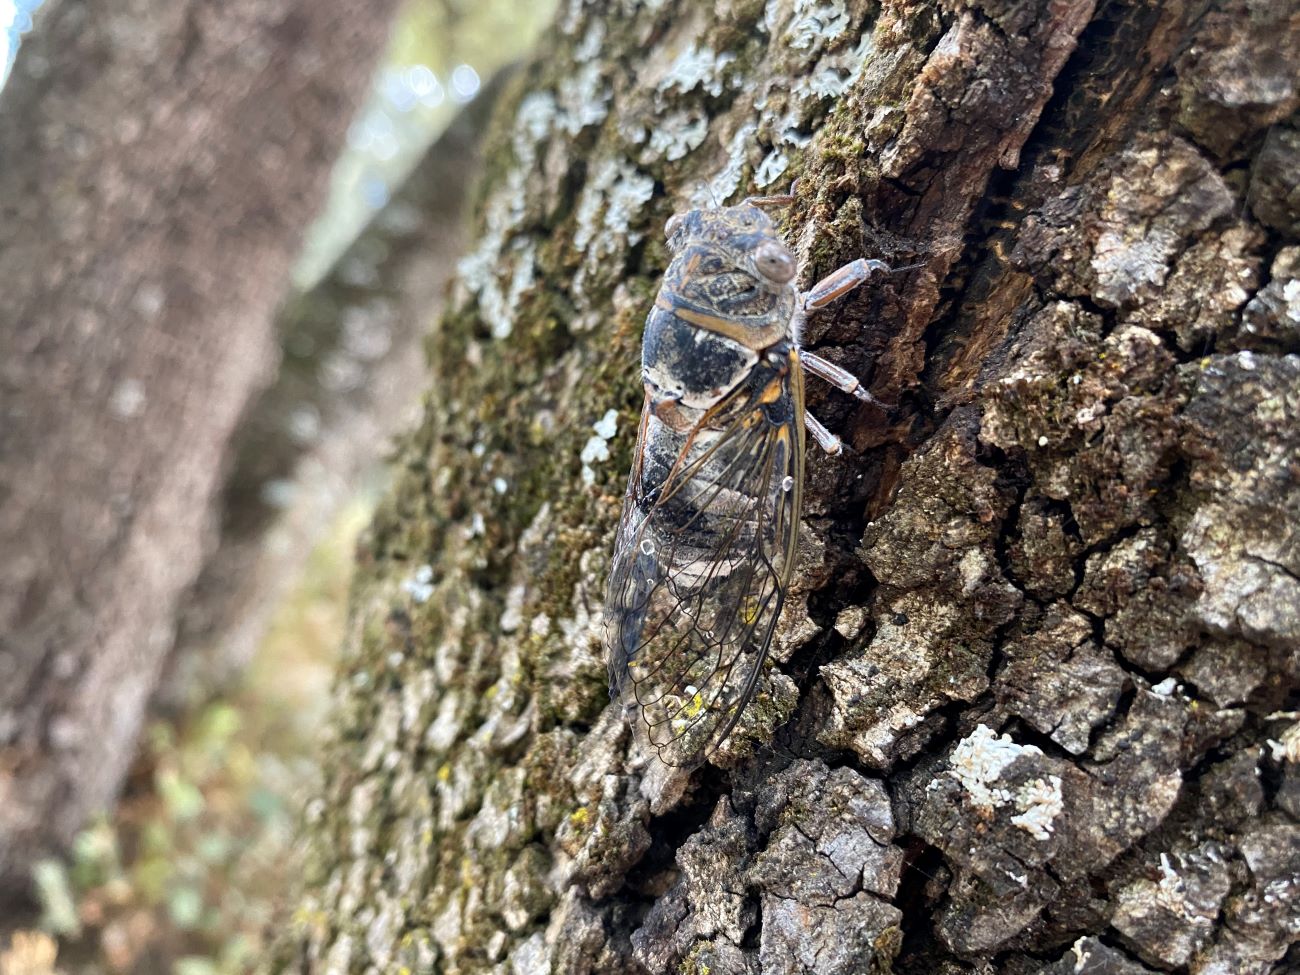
<point x="154" y="758"/>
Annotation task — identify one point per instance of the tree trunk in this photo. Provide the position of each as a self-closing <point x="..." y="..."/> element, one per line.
<point x="159" y="162"/>
<point x="1047" y="607"/>
<point x="349" y="382"/>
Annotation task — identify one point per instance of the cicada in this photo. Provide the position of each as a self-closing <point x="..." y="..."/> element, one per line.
<point x="706" y="543"/>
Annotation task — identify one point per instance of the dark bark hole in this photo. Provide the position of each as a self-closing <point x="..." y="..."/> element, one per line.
<point x="924" y="881"/>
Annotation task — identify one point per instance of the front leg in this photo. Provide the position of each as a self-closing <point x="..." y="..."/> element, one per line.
<point x="839" y="283"/>
<point x="668" y="409"/>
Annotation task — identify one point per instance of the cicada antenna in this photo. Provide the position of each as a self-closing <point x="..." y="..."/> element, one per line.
<point x="704" y="193"/>
<point x="906" y="267"/>
<point x="774" y="199"/>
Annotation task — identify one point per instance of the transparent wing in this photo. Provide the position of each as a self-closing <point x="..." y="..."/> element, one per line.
<point x="702" y="561"/>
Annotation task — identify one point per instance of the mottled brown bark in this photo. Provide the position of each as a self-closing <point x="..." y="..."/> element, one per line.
<point x="1047" y="611"/>
<point x="159" y="163"/>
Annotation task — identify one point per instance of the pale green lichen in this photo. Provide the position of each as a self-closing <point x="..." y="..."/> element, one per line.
<point x="596" y="448"/>
<point x="697" y="67"/>
<point x="609" y="207"/>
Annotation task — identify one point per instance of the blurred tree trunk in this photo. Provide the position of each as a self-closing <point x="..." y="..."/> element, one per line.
<point x="158" y="162"/>
<point x="1047" y="611"/>
<point x="349" y="381"/>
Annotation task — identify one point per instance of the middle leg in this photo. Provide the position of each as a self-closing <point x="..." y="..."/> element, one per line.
<point x="838" y="377"/>
<point x="835" y="285"/>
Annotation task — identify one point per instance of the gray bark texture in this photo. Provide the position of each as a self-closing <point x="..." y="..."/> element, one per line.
<point x="158" y="163"/>
<point x="1028" y="713"/>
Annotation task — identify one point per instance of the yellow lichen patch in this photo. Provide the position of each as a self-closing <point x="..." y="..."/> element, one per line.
<point x="694" y="706"/>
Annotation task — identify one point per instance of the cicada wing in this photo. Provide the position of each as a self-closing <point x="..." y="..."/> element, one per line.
<point x="625" y="609"/>
<point x="702" y="562"/>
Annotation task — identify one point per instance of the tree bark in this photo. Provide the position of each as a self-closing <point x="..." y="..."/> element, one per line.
<point x="1026" y="690"/>
<point x="159" y="163"/>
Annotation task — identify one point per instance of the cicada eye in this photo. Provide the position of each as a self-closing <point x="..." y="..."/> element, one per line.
<point x="774" y="262"/>
<point x="673" y="223"/>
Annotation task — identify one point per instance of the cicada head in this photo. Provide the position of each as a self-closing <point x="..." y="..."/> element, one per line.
<point x="721" y="247"/>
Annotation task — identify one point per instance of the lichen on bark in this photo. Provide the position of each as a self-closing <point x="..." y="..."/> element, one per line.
<point x="1042" y="612"/>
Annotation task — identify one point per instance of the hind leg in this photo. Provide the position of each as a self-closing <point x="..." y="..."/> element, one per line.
<point x="825" y="439"/>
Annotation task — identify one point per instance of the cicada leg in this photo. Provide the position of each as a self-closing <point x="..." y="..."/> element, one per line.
<point x="826" y="440"/>
<point x="841" y="282"/>
<point x="835" y="285"/>
<point x="838" y="377"/>
<point x="770" y="200"/>
<point x="773" y="199"/>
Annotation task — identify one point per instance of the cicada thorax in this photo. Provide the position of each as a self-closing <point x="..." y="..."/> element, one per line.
<point x="712" y="323"/>
<point x="686" y="364"/>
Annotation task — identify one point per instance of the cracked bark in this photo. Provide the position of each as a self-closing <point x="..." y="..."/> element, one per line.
<point x="1043" y="611"/>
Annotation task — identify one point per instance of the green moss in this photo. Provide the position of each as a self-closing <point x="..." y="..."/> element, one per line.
<point x="887" y="944"/>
